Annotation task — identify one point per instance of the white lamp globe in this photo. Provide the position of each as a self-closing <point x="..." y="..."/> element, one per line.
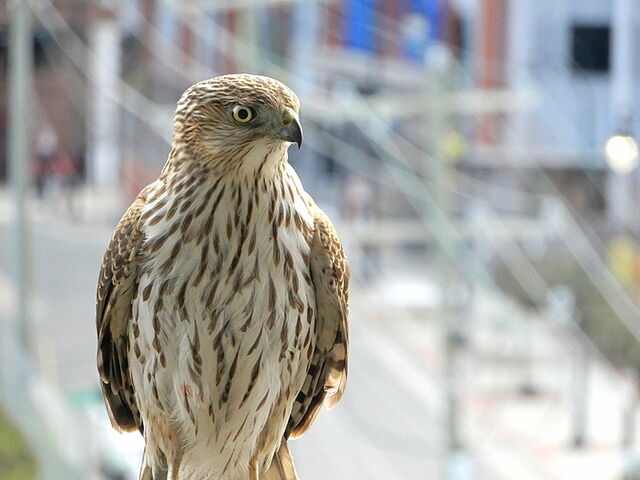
<point x="621" y="153"/>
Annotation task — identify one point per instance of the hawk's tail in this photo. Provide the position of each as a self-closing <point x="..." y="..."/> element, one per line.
<point x="147" y="473"/>
<point x="282" y="465"/>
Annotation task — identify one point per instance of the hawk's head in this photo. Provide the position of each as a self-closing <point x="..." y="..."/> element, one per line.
<point x="234" y="113"/>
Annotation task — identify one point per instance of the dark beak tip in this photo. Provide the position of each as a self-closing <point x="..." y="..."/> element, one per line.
<point x="292" y="133"/>
<point x="298" y="134"/>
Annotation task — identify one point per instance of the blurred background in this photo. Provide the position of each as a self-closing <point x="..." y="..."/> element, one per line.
<point x="477" y="157"/>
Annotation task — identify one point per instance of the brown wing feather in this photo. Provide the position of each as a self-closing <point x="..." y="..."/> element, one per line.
<point x="327" y="375"/>
<point x="117" y="284"/>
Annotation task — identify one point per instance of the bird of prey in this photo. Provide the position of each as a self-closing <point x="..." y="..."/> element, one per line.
<point x="222" y="297"/>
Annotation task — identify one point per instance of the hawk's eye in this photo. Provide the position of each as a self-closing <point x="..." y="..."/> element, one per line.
<point x="242" y="114"/>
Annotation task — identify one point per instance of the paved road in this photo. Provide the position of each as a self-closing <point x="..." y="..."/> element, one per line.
<point x="64" y="264"/>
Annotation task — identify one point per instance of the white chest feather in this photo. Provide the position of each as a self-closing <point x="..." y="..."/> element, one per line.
<point x="223" y="322"/>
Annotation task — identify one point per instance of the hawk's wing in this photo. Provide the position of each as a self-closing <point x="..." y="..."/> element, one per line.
<point x="327" y="374"/>
<point x="117" y="285"/>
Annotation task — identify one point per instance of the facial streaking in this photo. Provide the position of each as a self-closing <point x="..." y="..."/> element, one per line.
<point x="231" y="113"/>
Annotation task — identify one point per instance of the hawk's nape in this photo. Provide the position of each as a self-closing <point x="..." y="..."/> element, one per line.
<point x="223" y="295"/>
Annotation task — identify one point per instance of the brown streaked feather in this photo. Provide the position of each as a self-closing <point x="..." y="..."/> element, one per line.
<point x="117" y="285"/>
<point x="327" y="375"/>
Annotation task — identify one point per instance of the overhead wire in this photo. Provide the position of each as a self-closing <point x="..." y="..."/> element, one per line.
<point x="539" y="286"/>
<point x="128" y="97"/>
<point x="501" y="64"/>
<point x="522" y="269"/>
<point x="591" y="262"/>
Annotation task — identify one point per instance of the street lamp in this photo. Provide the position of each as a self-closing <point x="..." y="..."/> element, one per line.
<point x="621" y="153"/>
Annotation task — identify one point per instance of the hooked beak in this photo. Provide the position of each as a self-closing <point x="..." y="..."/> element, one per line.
<point x="291" y="130"/>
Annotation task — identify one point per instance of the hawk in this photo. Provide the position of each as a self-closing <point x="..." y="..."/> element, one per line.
<point x="222" y="297"/>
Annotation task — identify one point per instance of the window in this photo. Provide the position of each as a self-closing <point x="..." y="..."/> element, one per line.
<point x="590" y="48"/>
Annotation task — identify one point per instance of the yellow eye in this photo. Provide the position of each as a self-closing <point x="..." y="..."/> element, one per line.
<point x="242" y="114"/>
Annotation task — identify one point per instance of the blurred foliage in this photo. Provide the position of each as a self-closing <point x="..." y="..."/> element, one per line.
<point x="16" y="460"/>
<point x="592" y="312"/>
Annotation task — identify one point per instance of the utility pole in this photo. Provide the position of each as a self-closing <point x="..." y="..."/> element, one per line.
<point x="620" y="190"/>
<point x="631" y="466"/>
<point x="580" y="385"/>
<point x="104" y="156"/>
<point x="438" y="177"/>
<point x="520" y="38"/>
<point x="20" y="94"/>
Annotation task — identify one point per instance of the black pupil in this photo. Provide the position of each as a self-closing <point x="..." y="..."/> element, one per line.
<point x="243" y="113"/>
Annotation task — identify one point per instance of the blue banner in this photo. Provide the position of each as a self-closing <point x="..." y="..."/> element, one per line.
<point x="360" y="24"/>
<point x="421" y="26"/>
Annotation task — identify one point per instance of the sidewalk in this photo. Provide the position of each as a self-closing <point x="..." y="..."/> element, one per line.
<point x="83" y="207"/>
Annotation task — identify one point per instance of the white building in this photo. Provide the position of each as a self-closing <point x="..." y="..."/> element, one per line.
<point x="581" y="58"/>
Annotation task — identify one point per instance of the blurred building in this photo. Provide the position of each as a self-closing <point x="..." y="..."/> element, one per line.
<point x="565" y="52"/>
<point x="324" y="50"/>
<point x="163" y="46"/>
<point x="108" y="75"/>
<point x="59" y="86"/>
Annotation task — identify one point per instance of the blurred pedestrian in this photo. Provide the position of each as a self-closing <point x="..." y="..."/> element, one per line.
<point x="46" y="148"/>
<point x="358" y="208"/>
<point x="65" y="177"/>
<point x="358" y="199"/>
